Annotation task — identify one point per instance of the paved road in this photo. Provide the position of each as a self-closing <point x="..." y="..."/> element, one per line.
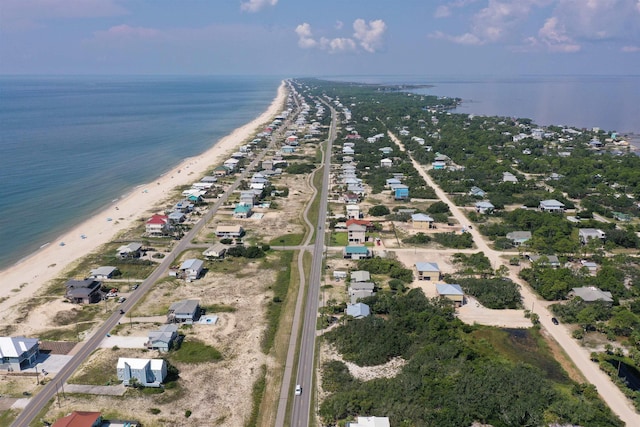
<point x="609" y="392"/>
<point x="301" y="410"/>
<point x="40" y="400"/>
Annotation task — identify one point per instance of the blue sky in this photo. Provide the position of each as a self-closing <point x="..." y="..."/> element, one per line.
<point x="320" y="37"/>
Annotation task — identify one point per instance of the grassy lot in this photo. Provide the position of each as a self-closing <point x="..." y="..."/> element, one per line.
<point x="66" y="333"/>
<point x="280" y="289"/>
<point x="257" y="394"/>
<point x="519" y="345"/>
<point x="99" y="370"/>
<point x="193" y="351"/>
<point x="292" y="239"/>
<point x="7" y="417"/>
<point x="77" y="314"/>
<point x="339" y="239"/>
<point x="218" y="308"/>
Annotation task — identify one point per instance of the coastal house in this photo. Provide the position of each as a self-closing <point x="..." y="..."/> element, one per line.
<point x="360" y="290"/>
<point x="158" y="225"/>
<point x="401" y="192"/>
<point x="356" y="233"/>
<point x="517" y="238"/>
<point x="247" y="198"/>
<point x="428" y="271"/>
<point x="350" y="198"/>
<point x="451" y="292"/>
<point x="144" y="372"/>
<point x="191" y="269"/>
<point x="353" y="211"/>
<point x="216" y="251"/>
<point x="288" y="149"/>
<point x="242" y="211"/>
<point x="484" y="207"/>
<point x="360" y="276"/>
<point x="477" y="192"/>
<point x="184" y="206"/>
<point x="546" y="260"/>
<point x="185" y="311"/>
<point x="132" y="250"/>
<point x="348" y="150"/>
<point x="80" y="419"/>
<point x="421" y="221"/>
<point x="362" y="222"/>
<point x="509" y="177"/>
<point x="386" y="163"/>
<point x="551" y="205"/>
<point x="231" y="163"/>
<point x="221" y="171"/>
<point x="177" y="217"/>
<point x="18" y="353"/>
<point x="386" y="150"/>
<point x="83" y="291"/>
<point x="163" y="338"/>
<point x="391" y="182"/>
<point x="356" y="252"/>
<point x="591" y="294"/>
<point x="438" y="165"/>
<point x="104" y="272"/>
<point x="229" y="231"/>
<point x="267" y="164"/>
<point x="590" y="266"/>
<point x="358" y="310"/>
<point x="586" y="234"/>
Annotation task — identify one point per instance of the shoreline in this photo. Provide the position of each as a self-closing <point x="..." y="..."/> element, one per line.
<point x="28" y="275"/>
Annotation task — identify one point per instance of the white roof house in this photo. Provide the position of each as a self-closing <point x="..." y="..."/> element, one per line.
<point x="216" y="251"/>
<point x="104" y="272"/>
<point x="484" y="207"/>
<point x="428" y="271"/>
<point x="591" y="294"/>
<point x="146" y="372"/>
<point x="360" y="276"/>
<point x="509" y="177"/>
<point x="386" y="163"/>
<point x="17" y="353"/>
<point x="192" y="268"/>
<point x="586" y="234"/>
<point x="551" y="205"/>
<point x="358" y="310"/>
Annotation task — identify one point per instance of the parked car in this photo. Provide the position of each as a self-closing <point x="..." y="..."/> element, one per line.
<point x="298" y="390"/>
<point x="134" y="287"/>
<point x="554" y="321"/>
<point x="122" y="299"/>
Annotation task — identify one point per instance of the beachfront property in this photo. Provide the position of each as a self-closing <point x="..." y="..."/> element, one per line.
<point x="18" y="353"/>
<point x="484" y="207"/>
<point x="158" y="225"/>
<point x="586" y="234"/>
<point x="103" y="273"/>
<point x="229" y="231"/>
<point x="132" y="250"/>
<point x="421" y="221"/>
<point x="85" y="291"/>
<point x="517" y="238"/>
<point x="191" y="269"/>
<point x="144" y="372"/>
<point x="356" y="252"/>
<point x="221" y="171"/>
<point x="551" y="205"/>
<point x="176" y="217"/>
<point x="185" y="311"/>
<point x="231" y="163"/>
<point x="356" y="233"/>
<point x="163" y="338"/>
<point x="451" y="292"/>
<point x="428" y="271"/>
<point x="80" y="419"/>
<point x="358" y="310"/>
<point x="216" y="251"/>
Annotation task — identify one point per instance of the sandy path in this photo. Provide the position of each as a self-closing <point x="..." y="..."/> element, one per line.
<point x="609" y="392"/>
<point x="32" y="273"/>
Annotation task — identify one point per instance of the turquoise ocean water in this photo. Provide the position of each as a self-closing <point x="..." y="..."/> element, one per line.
<point x="70" y="145"/>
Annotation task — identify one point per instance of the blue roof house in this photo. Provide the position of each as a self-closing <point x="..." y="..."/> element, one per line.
<point x="356" y="252"/>
<point x="401" y="192"/>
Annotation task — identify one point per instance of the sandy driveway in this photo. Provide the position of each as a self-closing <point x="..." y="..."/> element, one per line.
<point x="609" y="392"/>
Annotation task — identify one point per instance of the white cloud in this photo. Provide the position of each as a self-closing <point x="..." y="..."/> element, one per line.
<point x="339" y="25"/>
<point x="464" y="39"/>
<point x="442" y="11"/>
<point x="630" y="49"/>
<point x="256" y="5"/>
<point x="370" y="35"/>
<point x="305" y="37"/>
<point x="554" y="36"/>
<point x="120" y="32"/>
<point x="367" y="36"/>
<point x="445" y="10"/>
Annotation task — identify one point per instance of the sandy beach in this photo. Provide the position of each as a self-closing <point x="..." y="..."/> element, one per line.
<point x="23" y="280"/>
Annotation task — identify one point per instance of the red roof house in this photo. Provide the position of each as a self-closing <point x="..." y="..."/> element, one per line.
<point x="80" y="419"/>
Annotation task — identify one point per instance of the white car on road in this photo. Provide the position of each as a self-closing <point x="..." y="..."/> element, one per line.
<point x="298" y="390"/>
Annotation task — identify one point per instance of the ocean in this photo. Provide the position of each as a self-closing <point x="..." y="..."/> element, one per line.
<point x="70" y="145"/>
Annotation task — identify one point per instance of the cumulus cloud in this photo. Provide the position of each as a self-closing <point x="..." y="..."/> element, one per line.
<point x="446" y="10"/>
<point x="464" y="39"/>
<point x="554" y="36"/>
<point x="366" y="36"/>
<point x="256" y="5"/>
